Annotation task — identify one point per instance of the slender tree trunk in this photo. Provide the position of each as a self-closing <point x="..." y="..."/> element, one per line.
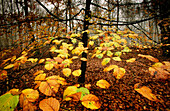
<point x="165" y="30"/>
<point x="85" y="39"/>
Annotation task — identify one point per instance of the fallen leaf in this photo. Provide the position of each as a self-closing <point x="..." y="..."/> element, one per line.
<point x="77" y="72"/>
<point x="41" y="61"/>
<point x="146" y="92"/>
<point x="119" y="72"/>
<point x="59" y="79"/>
<point x="76" y="96"/>
<point x="91" y="101"/>
<point x="117" y="58"/>
<point x="30" y="94"/>
<point x="105" y="61"/>
<point x="49" y="88"/>
<point x="49" y="66"/>
<point x="69" y="91"/>
<point x="84" y="91"/>
<point x="66" y="71"/>
<point x="9" y="66"/>
<point x="33" y="60"/>
<point x="38" y="79"/>
<point x="149" y="57"/>
<point x="131" y="60"/>
<point x="83" y="59"/>
<point x="50" y="104"/>
<point x="103" y="84"/>
<point x="110" y="68"/>
<point x="38" y="72"/>
<point x="8" y="102"/>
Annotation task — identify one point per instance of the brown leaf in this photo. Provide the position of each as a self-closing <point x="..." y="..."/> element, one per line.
<point x="146" y="92"/>
<point x="76" y="96"/>
<point x="50" y="104"/>
<point x="49" y="88"/>
<point x="149" y="57"/>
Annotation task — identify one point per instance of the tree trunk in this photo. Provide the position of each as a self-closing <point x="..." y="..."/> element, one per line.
<point x="164" y="26"/>
<point x="85" y="39"/>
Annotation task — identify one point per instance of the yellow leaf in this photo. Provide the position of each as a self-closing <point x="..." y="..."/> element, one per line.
<point x="59" y="79"/>
<point x="66" y="71"/>
<point x="77" y="72"/>
<point x="83" y="59"/>
<point x="69" y="91"/>
<point x="32" y="60"/>
<point x="57" y="42"/>
<point x="75" y="57"/>
<point x="41" y="61"/>
<point x="9" y="66"/>
<point x="91" y="101"/>
<point x="91" y="43"/>
<point x="117" y="58"/>
<point x="24" y="53"/>
<point x="49" y="66"/>
<point x="13" y="58"/>
<point x="38" y="79"/>
<point x="119" y="72"/>
<point x="52" y="49"/>
<point x="146" y="92"/>
<point x="31" y="94"/>
<point x="105" y="61"/>
<point x="110" y="68"/>
<point x="50" y="104"/>
<point x="103" y="84"/>
<point x="158" y="65"/>
<point x="131" y="60"/>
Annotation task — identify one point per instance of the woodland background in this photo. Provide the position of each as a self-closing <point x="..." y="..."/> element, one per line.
<point x="49" y="39"/>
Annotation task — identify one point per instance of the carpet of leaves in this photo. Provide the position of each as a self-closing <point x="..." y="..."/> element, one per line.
<point x="121" y="94"/>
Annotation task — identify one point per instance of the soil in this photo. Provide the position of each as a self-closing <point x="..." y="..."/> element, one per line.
<point x="120" y="95"/>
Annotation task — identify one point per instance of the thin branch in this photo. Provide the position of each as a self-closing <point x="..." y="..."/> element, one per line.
<point x="56" y="16"/>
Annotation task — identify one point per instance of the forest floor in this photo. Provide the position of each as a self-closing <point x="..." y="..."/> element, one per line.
<point x="121" y="94"/>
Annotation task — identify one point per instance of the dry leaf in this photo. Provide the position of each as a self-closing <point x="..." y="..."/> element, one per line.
<point x="38" y="72"/>
<point x="149" y="57"/>
<point x="59" y="79"/>
<point x="103" y="84"/>
<point x="49" y="88"/>
<point x="83" y="59"/>
<point x="66" y="71"/>
<point x="117" y="58"/>
<point x="50" y="104"/>
<point x="119" y="72"/>
<point x="49" y="66"/>
<point x="110" y="68"/>
<point x="77" y="72"/>
<point x="76" y="96"/>
<point x="69" y="91"/>
<point x="131" y="60"/>
<point x="91" y="101"/>
<point x="146" y="92"/>
<point x="105" y="61"/>
<point x="9" y="66"/>
<point x="31" y="94"/>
